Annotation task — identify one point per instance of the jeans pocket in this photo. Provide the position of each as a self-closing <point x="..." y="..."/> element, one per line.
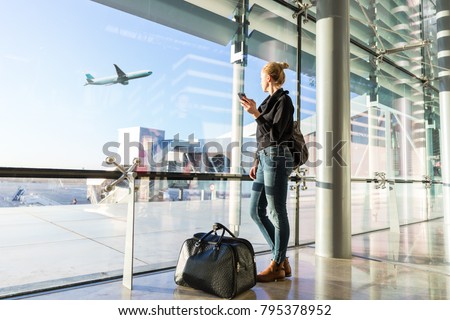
<point x="271" y="161"/>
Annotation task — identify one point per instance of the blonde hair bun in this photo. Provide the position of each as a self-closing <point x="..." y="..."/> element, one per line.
<point x="283" y="65"/>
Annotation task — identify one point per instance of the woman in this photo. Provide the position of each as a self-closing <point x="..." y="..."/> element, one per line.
<point x="272" y="167"/>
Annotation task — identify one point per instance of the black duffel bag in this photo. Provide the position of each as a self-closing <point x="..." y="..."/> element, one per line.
<point x="217" y="264"/>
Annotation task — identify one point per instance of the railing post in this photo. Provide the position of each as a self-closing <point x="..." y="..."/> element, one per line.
<point x="130" y="175"/>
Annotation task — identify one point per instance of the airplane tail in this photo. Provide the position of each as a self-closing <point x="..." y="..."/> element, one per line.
<point x="89" y="78"/>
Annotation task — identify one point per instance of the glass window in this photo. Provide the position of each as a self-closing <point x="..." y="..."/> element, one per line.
<point x="53" y="113"/>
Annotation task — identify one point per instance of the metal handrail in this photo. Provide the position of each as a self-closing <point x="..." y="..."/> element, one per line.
<point x="13" y="172"/>
<point x="371" y="180"/>
<point x="16" y="172"/>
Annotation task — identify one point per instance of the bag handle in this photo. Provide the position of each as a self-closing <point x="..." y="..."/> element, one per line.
<point x="216" y="226"/>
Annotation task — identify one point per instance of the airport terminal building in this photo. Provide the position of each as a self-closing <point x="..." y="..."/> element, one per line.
<point x="101" y="184"/>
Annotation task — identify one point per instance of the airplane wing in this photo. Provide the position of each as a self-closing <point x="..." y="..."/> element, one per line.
<point x="120" y="73"/>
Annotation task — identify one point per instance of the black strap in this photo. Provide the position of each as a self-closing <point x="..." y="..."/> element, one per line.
<point x="216" y="226"/>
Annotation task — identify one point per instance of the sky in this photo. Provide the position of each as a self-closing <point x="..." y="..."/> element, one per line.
<point x="50" y="119"/>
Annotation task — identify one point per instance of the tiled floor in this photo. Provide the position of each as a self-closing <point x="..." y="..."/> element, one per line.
<point x="412" y="265"/>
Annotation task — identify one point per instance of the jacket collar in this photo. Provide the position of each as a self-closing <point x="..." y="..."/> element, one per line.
<point x="270" y="100"/>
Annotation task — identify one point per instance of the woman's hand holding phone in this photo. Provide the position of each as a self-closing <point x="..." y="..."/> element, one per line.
<point x="249" y="105"/>
<point x="241" y="95"/>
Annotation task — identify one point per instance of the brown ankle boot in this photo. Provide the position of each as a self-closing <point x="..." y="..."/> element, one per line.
<point x="287" y="268"/>
<point x="272" y="273"/>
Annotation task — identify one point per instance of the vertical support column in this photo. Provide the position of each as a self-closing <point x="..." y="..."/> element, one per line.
<point x="372" y="120"/>
<point x="372" y="99"/>
<point x="129" y="235"/>
<point x="298" y="117"/>
<point x="234" y="215"/>
<point x="443" y="39"/>
<point x="372" y="143"/>
<point x="333" y="185"/>
<point x="239" y="60"/>
<point x="390" y="174"/>
<point x="430" y="125"/>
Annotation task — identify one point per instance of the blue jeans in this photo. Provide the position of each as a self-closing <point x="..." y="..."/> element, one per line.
<point x="268" y="198"/>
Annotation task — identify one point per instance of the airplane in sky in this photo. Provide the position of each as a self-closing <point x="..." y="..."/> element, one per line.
<point x="121" y="77"/>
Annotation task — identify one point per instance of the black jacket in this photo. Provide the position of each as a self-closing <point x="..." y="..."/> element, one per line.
<point x="275" y="124"/>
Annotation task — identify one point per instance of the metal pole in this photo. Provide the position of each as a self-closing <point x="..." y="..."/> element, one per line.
<point x="130" y="175"/>
<point x="129" y="235"/>
<point x="239" y="60"/>
<point x="443" y="41"/>
<point x="299" y="70"/>
<point x="333" y="185"/>
<point x="234" y="215"/>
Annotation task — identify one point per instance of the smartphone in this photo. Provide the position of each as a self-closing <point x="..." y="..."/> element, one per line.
<point x="241" y="95"/>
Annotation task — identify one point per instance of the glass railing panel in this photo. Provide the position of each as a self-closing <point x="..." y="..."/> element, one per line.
<point x="307" y="211"/>
<point x="412" y="202"/>
<point x="48" y="240"/>
<point x="180" y="209"/>
<point x="370" y="207"/>
<point x="249" y="230"/>
<point x="434" y="196"/>
<point x="163" y="223"/>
